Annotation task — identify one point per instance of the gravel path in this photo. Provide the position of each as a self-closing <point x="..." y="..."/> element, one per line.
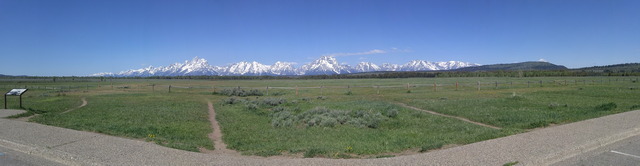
<point x="216" y="135"/>
<point x="450" y="116"/>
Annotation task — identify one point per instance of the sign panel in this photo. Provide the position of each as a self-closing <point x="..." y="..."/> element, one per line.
<point x="16" y="92"/>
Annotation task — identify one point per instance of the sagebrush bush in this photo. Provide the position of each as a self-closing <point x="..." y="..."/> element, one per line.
<point x="273" y="101"/>
<point x="323" y="117"/>
<point x="240" y="92"/>
<point x="251" y="106"/>
<point x="282" y="119"/>
<point x="392" y="113"/>
<point x="232" y="100"/>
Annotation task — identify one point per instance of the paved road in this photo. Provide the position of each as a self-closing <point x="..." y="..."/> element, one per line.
<point x="14" y="158"/>
<point x="621" y="153"/>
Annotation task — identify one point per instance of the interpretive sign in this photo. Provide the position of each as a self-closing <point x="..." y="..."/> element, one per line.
<point x="14" y="92"/>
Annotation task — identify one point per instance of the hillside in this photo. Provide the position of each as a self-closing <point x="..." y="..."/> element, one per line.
<point x="617" y="68"/>
<point x="525" y="66"/>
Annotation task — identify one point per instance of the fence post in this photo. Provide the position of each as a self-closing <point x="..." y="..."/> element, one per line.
<point x="435" y="86"/>
<point x="540" y="83"/>
<point x="349" y="89"/>
<point x="528" y="84"/>
<point x="169" y="88"/>
<point x="296" y="90"/>
<point x="496" y="84"/>
<point x="378" y="89"/>
<point x="321" y="90"/>
<point x="478" y="85"/>
<point x="456" y="85"/>
<point x="267" y="90"/>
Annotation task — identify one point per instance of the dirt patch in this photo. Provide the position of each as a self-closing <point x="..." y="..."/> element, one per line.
<point x="450" y="116"/>
<point x="216" y="135"/>
<point x="84" y="103"/>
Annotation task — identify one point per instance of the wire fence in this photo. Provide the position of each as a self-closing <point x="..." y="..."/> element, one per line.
<point x="377" y="89"/>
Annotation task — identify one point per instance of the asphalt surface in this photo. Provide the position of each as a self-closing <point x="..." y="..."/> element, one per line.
<point x="14" y="158"/>
<point x="553" y="145"/>
<point x="621" y="153"/>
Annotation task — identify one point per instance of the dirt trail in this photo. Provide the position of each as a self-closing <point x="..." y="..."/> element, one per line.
<point x="450" y="116"/>
<point x="216" y="135"/>
<point x="84" y="103"/>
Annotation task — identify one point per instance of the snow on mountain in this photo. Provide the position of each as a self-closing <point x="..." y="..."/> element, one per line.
<point x="283" y="68"/>
<point x="247" y="68"/>
<point x="390" y="67"/>
<point x="450" y="65"/>
<point x="366" y="67"/>
<point x="419" y="65"/>
<point x="326" y="65"/>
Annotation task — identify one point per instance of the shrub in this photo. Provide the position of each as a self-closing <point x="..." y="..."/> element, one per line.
<point x="251" y="106"/>
<point x="323" y="117"/>
<point x="279" y="109"/>
<point x="635" y="107"/>
<point x="274" y="101"/>
<point x="322" y="97"/>
<point x="392" y="113"/>
<point x="240" y="92"/>
<point x="230" y="100"/>
<point x="607" y="106"/>
<point x="277" y="93"/>
<point x="306" y="99"/>
<point x="282" y="119"/>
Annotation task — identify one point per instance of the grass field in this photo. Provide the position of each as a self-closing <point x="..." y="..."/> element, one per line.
<point x="342" y="118"/>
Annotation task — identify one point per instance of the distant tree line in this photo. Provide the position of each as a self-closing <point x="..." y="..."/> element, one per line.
<point x="411" y="74"/>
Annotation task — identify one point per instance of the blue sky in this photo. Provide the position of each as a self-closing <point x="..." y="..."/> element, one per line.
<point x="82" y="37"/>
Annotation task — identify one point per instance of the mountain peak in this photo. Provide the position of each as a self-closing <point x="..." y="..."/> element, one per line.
<point x="327" y="65"/>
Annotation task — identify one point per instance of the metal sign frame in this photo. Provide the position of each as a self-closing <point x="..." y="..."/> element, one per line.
<point x="14" y="92"/>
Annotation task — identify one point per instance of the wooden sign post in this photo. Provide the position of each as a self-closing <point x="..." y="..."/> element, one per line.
<point x="14" y="92"/>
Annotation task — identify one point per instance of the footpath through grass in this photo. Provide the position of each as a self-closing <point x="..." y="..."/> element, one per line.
<point x="326" y="118"/>
<point x="528" y="108"/>
<point x="173" y="120"/>
<point x="255" y="131"/>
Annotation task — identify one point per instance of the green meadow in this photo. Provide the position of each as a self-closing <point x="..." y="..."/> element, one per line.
<point x="332" y="118"/>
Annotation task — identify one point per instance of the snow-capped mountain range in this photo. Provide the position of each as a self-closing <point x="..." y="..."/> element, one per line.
<point x="325" y="65"/>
